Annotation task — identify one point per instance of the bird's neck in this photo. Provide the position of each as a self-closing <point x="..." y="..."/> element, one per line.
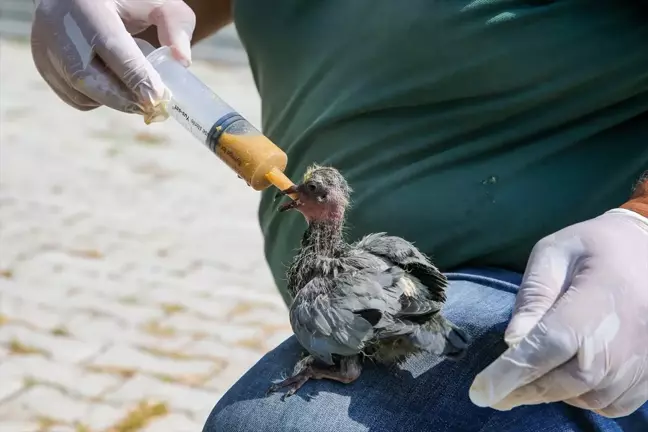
<point x="324" y="237"/>
<point x="321" y="247"/>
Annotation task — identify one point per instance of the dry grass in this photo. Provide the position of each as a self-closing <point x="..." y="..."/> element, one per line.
<point x="156" y="329"/>
<point x="18" y="348"/>
<point x="60" y="331"/>
<point x="87" y="253"/>
<point x="129" y="300"/>
<point x="140" y="416"/>
<point x="29" y="382"/>
<point x="114" y="370"/>
<point x="189" y="380"/>
<point x="148" y="138"/>
<point x="45" y="424"/>
<point x="255" y="344"/>
<point x="175" y="355"/>
<point x="80" y="427"/>
<point x="179" y="355"/>
<point x="199" y="335"/>
<point x="171" y="308"/>
<point x="242" y="308"/>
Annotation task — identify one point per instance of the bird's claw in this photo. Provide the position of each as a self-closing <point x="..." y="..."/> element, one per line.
<point x="294" y="383"/>
<point x="272" y="389"/>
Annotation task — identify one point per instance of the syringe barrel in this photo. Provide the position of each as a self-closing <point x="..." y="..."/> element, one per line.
<point x="230" y="136"/>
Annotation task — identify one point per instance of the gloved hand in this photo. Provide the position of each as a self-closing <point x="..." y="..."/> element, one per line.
<point x="579" y="331"/>
<point x="85" y="52"/>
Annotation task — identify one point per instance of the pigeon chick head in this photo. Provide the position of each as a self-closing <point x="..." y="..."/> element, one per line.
<point x="323" y="195"/>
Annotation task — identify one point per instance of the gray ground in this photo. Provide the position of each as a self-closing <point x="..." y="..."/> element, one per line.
<point x="133" y="290"/>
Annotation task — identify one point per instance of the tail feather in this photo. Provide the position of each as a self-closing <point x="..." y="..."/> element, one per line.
<point x="441" y="337"/>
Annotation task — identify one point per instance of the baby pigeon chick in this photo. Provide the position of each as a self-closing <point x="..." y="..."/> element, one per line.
<point x="379" y="298"/>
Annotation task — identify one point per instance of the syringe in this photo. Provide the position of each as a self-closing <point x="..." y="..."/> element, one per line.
<point x="255" y="158"/>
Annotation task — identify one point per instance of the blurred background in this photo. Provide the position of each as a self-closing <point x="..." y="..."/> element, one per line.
<point x="133" y="288"/>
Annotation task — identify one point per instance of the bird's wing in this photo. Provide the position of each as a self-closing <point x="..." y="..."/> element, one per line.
<point x="338" y="316"/>
<point x="405" y="255"/>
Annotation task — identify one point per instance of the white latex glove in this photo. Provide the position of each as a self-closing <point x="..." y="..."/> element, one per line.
<point x="85" y="51"/>
<point x="579" y="331"/>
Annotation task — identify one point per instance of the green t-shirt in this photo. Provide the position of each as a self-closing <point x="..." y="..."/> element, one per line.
<point x="471" y="128"/>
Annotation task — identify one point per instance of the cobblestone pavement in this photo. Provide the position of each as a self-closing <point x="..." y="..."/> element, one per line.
<point x="133" y="290"/>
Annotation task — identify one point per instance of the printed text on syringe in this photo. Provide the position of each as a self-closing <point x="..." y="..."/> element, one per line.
<point x="193" y="122"/>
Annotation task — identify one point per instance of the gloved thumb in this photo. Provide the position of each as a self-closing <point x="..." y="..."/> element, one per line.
<point x="547" y="277"/>
<point x="175" y="22"/>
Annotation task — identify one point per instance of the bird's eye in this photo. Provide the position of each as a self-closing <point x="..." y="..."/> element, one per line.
<point x="311" y="187"/>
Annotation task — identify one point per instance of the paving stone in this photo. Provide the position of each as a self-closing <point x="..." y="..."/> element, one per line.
<point x="127" y="313"/>
<point x="174" y="422"/>
<point x="255" y="296"/>
<point x="38" y="293"/>
<point x="63" y="428"/>
<point x="239" y="361"/>
<point x="207" y="306"/>
<point x="16" y="309"/>
<point x="193" y="324"/>
<point x="56" y="347"/>
<point x="10" y="385"/>
<point x="201" y="416"/>
<point x="45" y="402"/>
<point x="215" y="348"/>
<point x="177" y="395"/>
<point x="86" y="327"/>
<point x="63" y="375"/>
<point x="228" y="376"/>
<point x="18" y="426"/>
<point x="125" y="247"/>
<point x="123" y="356"/>
<point x="277" y="339"/>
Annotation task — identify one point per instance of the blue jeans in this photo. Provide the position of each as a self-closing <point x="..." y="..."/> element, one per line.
<point x="425" y="394"/>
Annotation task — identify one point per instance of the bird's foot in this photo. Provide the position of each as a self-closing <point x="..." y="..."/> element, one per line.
<point x="302" y="372"/>
<point x="294" y="383"/>
<point x="348" y="371"/>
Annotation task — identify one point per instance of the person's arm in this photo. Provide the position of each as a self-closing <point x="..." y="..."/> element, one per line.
<point x="639" y="200"/>
<point x="211" y="16"/>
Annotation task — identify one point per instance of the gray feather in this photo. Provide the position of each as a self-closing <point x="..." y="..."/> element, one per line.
<point x="404" y="254"/>
<point x="379" y="296"/>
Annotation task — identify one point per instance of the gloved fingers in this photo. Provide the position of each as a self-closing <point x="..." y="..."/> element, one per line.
<point x="57" y="83"/>
<point x="577" y="377"/>
<point x="547" y="276"/>
<point x="622" y="394"/>
<point x="50" y="58"/>
<point x="79" y="77"/>
<point x="120" y="53"/>
<point x="175" y="23"/>
<point x="567" y="329"/>
<point x="542" y="350"/>
<point x="101" y="84"/>
<point x="69" y="95"/>
<point x="67" y="38"/>
<point x="627" y="404"/>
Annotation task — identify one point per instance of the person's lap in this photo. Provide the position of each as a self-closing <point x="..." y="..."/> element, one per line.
<point x="425" y="394"/>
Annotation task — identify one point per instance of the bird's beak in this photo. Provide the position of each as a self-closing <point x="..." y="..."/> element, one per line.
<point x="294" y="189"/>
